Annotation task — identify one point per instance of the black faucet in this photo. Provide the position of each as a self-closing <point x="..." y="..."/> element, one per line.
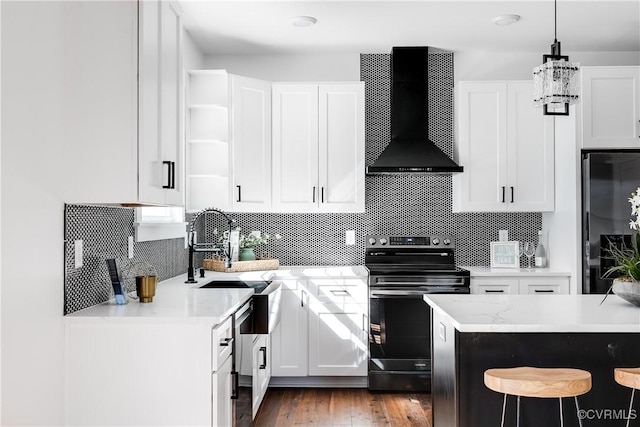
<point x="194" y="247"/>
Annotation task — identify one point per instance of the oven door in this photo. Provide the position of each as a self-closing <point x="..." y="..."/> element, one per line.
<point x="400" y="329"/>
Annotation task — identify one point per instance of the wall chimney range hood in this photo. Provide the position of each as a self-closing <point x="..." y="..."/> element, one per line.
<point x="410" y="150"/>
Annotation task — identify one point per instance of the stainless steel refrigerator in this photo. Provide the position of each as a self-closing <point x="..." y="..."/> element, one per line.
<point x="608" y="179"/>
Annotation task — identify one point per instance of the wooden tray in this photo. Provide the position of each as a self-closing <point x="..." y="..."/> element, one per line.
<point x="238" y="266"/>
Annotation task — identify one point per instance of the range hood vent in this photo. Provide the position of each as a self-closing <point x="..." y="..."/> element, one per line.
<point x="410" y="150"/>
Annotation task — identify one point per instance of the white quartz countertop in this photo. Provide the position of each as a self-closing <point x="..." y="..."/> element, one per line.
<point x="537" y="313"/>
<point x="535" y="272"/>
<point x="175" y="300"/>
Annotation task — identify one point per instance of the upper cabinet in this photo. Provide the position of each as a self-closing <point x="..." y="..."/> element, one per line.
<point x="506" y="147"/>
<point x="122" y="119"/>
<point x="253" y="146"/>
<point x="160" y="158"/>
<point x="610" y="107"/>
<point x="228" y="142"/>
<point x="318" y="147"/>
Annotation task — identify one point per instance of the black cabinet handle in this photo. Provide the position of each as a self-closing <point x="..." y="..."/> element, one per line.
<point x="543" y="291"/>
<point x="322" y="194"/>
<point x="313" y="194"/>
<point x="168" y="163"/>
<point x="239" y="193"/>
<point x="494" y="291"/>
<point x="225" y="342"/>
<point x="511" y="194"/>
<point x="503" y="188"/>
<point x="171" y="174"/>
<point x="264" y="357"/>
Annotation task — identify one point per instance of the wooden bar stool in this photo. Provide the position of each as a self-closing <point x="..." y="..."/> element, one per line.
<point x="538" y="382"/>
<point x="628" y="377"/>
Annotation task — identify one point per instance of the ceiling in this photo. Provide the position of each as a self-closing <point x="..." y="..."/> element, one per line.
<point x="264" y="27"/>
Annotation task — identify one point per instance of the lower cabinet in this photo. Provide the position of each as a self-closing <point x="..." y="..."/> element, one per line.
<point x="221" y="397"/>
<point x="337" y="340"/>
<point x="521" y="284"/>
<point x="323" y="328"/>
<point x="221" y="380"/>
<point x="261" y="370"/>
<point x="289" y="340"/>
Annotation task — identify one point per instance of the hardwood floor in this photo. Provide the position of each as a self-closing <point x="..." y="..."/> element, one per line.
<point x="342" y="407"/>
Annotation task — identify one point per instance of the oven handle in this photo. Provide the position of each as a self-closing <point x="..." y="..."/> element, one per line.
<point x="405" y="293"/>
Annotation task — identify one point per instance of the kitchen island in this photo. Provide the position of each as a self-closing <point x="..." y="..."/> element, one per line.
<point x="472" y="333"/>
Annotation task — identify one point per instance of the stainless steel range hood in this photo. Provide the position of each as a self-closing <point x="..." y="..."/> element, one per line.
<point x="410" y="150"/>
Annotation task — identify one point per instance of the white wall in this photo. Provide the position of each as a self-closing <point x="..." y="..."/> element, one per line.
<point x="284" y="68"/>
<point x="192" y="57"/>
<point x="346" y="67"/>
<point x="32" y="214"/>
<point x="520" y="65"/>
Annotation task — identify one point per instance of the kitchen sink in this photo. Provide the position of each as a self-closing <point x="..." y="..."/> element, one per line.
<point x="258" y="285"/>
<point x="264" y="313"/>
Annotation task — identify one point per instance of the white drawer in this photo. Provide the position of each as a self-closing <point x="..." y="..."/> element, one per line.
<point x="221" y="343"/>
<point x="339" y="291"/>
<point x="547" y="285"/>
<point x="492" y="285"/>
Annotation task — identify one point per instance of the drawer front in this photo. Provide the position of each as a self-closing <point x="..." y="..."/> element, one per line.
<point x="549" y="285"/>
<point x="494" y="286"/>
<point x="340" y="291"/>
<point x="221" y="343"/>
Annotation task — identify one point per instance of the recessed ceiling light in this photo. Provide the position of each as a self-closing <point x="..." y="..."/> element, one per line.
<point x="506" y="19"/>
<point x="303" y="21"/>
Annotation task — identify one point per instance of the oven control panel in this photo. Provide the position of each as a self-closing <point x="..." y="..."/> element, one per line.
<point x="380" y="241"/>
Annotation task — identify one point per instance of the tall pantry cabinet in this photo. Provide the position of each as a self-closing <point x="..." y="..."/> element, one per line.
<point x="123" y="94"/>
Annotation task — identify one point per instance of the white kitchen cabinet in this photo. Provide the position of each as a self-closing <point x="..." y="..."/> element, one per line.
<point x="228" y="142"/>
<point x="222" y="409"/>
<point x="338" y="343"/>
<point x="506" y="147"/>
<point x="160" y="158"/>
<point x="520" y="283"/>
<point x="610" y="107"/>
<point x="289" y="340"/>
<point x="124" y="132"/>
<point x="318" y="147"/>
<point x="544" y="285"/>
<point x="324" y="328"/>
<point x="221" y="366"/>
<point x="496" y="285"/>
<point x="261" y="370"/>
<point x="251" y="118"/>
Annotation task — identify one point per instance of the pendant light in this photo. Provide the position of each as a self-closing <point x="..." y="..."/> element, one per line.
<point x="556" y="83"/>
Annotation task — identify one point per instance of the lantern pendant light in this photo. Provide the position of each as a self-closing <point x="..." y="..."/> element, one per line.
<point x="556" y="83"/>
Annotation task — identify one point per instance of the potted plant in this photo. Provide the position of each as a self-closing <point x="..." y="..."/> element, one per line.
<point x="248" y="242"/>
<point x="627" y="259"/>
